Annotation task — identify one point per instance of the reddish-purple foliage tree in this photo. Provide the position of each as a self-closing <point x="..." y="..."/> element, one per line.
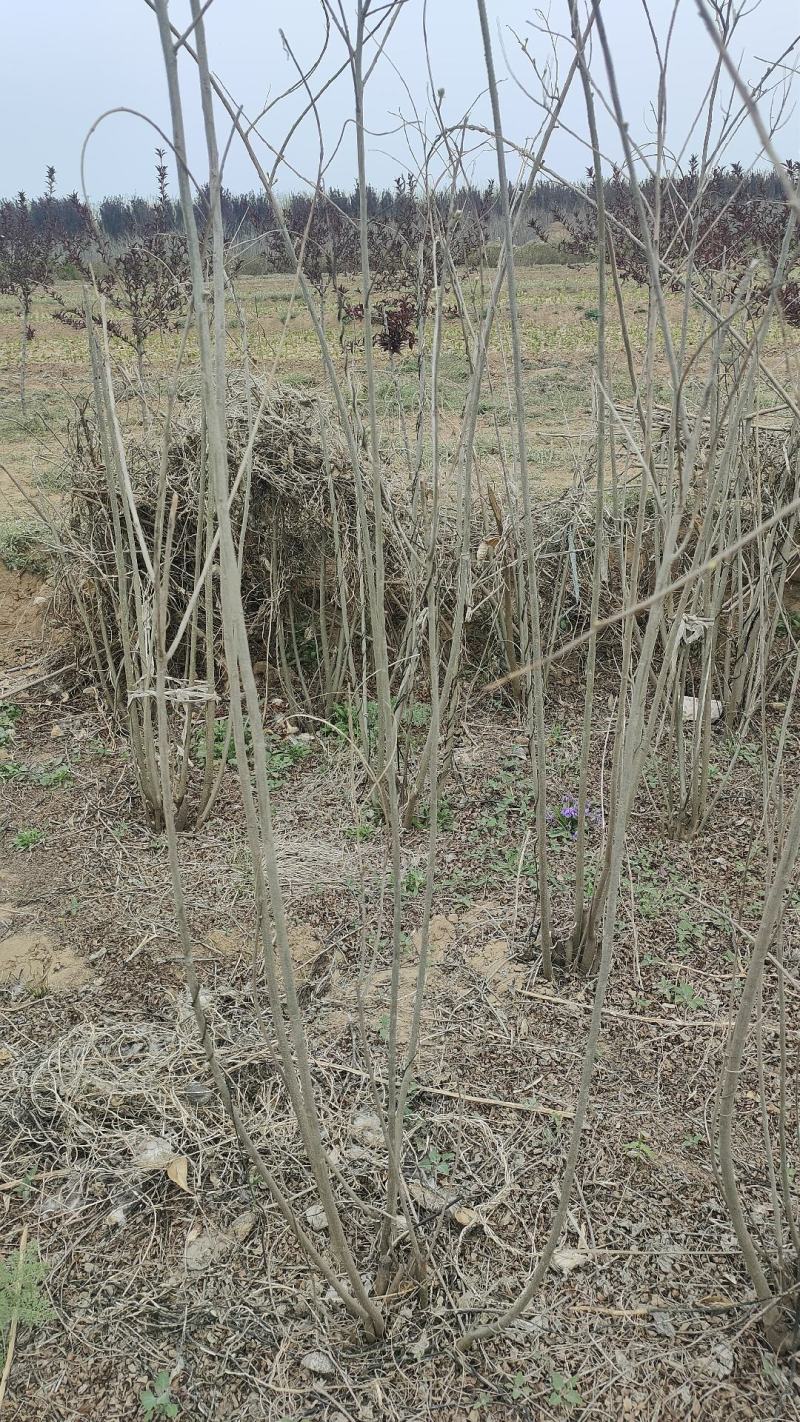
<point x="719" y="226"/>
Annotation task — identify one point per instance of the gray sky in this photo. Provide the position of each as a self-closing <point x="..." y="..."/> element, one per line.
<point x="64" y="62"/>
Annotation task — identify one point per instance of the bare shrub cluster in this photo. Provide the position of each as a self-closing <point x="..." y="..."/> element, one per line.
<point x="252" y="520"/>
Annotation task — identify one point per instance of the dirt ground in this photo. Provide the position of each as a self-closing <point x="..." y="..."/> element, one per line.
<point x="647" y="1312"/>
<point x="160" y="1251"/>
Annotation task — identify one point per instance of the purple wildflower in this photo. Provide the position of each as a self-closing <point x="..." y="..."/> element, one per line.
<point x="566" y="818"/>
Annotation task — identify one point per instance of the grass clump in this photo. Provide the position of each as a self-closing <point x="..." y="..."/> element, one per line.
<point x="282" y="755"/>
<point x="21" y="547"/>
<point x="530" y="254"/>
<point x="9" y="715"/>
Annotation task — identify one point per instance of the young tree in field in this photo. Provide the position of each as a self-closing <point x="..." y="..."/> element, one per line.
<point x="326" y="239"/>
<point x="33" y="245"/>
<point x="146" y="282"/>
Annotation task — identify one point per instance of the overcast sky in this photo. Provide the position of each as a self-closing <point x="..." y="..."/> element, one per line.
<point x="63" y="62"/>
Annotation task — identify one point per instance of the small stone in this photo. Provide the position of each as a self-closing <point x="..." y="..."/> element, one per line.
<point x="316" y="1218"/>
<point x="663" y="1325"/>
<point x="692" y="706"/>
<point x="150" y="1152"/>
<point x="244" y="1225"/>
<point x="366" y="1127"/>
<point x="205" y="1249"/>
<point x="318" y="1363"/>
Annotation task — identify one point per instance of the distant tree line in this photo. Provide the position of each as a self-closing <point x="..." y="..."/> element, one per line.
<point x="722" y="228"/>
<point x="246" y="215"/>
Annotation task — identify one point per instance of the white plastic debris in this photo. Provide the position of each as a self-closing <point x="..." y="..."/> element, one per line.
<point x="691" y="709"/>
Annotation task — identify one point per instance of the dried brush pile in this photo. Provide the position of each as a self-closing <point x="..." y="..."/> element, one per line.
<point x="294" y="510"/>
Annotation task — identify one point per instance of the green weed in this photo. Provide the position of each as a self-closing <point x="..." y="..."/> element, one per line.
<point x="437" y="1162"/>
<point x="12" y="770"/>
<point x="282" y="755"/>
<point x="415" y="881"/>
<point x="53" y="776"/>
<point x="682" y="994"/>
<point x="156" y="1401"/>
<point x="9" y="715"/>
<point x="639" y="1150"/>
<point x="220" y="735"/>
<point x="445" y="818"/>
<point x="21" y="1293"/>
<point x="687" y="934"/>
<point x="49" y="777"/>
<point x="564" y="1392"/>
<point x="362" y="832"/>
